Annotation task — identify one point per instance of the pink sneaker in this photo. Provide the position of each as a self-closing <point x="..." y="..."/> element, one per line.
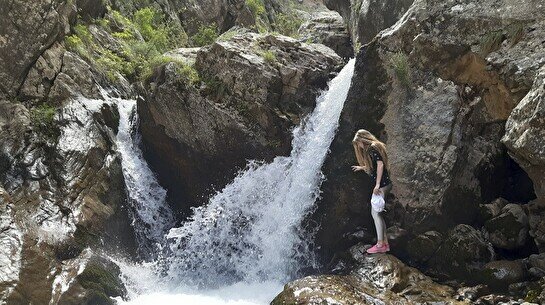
<point x="378" y="249"/>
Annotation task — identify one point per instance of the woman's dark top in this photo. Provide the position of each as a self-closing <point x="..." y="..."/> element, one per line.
<point x="375" y="157"/>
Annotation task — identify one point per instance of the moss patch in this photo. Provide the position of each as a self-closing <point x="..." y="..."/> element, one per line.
<point x="101" y="283"/>
<point x="42" y="119"/>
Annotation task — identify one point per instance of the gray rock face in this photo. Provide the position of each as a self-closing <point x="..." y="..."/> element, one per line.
<point x="438" y="94"/>
<point x="27" y="29"/>
<point x="462" y="254"/>
<point x="376" y="279"/>
<point x="524" y="137"/>
<point x="366" y="18"/>
<point x="508" y="230"/>
<point x="252" y="90"/>
<point x="329" y="29"/>
<point x="59" y="75"/>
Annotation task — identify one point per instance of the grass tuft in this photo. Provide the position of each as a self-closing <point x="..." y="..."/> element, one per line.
<point x="399" y="62"/>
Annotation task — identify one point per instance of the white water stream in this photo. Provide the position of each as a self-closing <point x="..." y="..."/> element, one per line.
<point x="248" y="241"/>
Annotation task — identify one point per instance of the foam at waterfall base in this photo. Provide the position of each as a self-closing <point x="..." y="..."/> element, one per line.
<point x="238" y="294"/>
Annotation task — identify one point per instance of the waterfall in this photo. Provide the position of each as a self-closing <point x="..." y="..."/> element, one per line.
<point x="151" y="215"/>
<point x="248" y="240"/>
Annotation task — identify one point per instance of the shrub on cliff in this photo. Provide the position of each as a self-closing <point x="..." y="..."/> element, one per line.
<point x="142" y="38"/>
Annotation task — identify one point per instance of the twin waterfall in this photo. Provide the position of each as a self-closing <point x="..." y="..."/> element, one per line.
<point x="249" y="239"/>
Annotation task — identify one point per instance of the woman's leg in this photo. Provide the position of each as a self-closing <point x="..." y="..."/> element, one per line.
<point x="379" y="226"/>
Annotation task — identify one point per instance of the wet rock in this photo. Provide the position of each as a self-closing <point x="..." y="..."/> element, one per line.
<point x="536" y="264"/>
<point x="376" y="279"/>
<point x="329" y="29"/>
<point x="27" y="29"/>
<point x="424" y="246"/>
<point x="472" y="293"/>
<point x="500" y="274"/>
<point x="462" y="254"/>
<point x="365" y="19"/>
<point x="508" y="230"/>
<point x="62" y="192"/>
<point x="97" y="282"/>
<point x="243" y="106"/>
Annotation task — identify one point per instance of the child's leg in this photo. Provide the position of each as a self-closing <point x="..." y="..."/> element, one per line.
<point x="379" y="226"/>
<point x="385" y="191"/>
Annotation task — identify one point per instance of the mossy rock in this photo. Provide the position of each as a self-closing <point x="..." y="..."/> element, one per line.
<point x="101" y="280"/>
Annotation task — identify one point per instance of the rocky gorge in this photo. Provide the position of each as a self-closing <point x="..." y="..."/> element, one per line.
<point x="454" y="88"/>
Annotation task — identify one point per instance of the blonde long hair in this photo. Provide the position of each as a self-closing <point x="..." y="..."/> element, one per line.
<point x="368" y="140"/>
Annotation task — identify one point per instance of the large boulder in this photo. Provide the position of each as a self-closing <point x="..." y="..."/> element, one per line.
<point x="524" y="136"/>
<point x="508" y="230"/>
<point x="244" y="97"/>
<point x="423" y="247"/>
<point x="462" y="254"/>
<point x="376" y="279"/>
<point x="27" y="29"/>
<point x="500" y="274"/>
<point x="366" y="18"/>
<point x="438" y="91"/>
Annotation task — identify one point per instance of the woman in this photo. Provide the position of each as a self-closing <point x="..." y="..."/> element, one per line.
<point x="372" y="158"/>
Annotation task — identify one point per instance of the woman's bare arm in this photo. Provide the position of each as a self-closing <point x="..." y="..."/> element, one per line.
<point x="380" y="169"/>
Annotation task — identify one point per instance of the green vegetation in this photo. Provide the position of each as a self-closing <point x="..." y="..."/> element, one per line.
<point x="42" y="118"/>
<point x="399" y="62"/>
<point x="534" y="291"/>
<point x="214" y="87"/>
<point x="205" y="36"/>
<point x="288" y="24"/>
<point x="186" y="71"/>
<point x="257" y="7"/>
<point x="228" y="35"/>
<point x="269" y="56"/>
<point x="101" y="283"/>
<point x="491" y="42"/>
<point x="142" y="39"/>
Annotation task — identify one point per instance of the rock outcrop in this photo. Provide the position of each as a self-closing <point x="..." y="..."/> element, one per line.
<point x="462" y="254"/>
<point x="365" y="18"/>
<point x="509" y="229"/>
<point x="329" y="29"/>
<point x="27" y="30"/>
<point x="524" y="136"/>
<point x="251" y="90"/>
<point x="375" y="279"/>
<point x="64" y="183"/>
<point x="438" y="88"/>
